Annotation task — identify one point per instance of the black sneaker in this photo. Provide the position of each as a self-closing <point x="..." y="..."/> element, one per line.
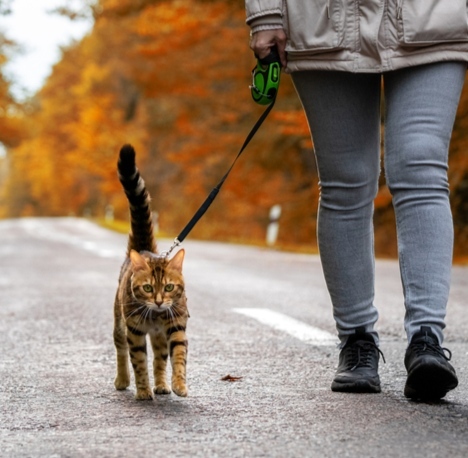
<point x="430" y="375"/>
<point x="358" y="365"/>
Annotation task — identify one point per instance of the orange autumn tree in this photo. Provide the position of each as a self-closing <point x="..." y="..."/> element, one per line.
<point x="10" y="112"/>
<point x="75" y="127"/>
<point x="11" y="117"/>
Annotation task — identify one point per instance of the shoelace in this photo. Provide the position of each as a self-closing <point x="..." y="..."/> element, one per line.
<point x="361" y="352"/>
<point x="432" y="348"/>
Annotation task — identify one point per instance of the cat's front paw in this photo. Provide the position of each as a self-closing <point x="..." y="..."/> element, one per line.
<point x="162" y="389"/>
<point x="121" y="382"/>
<point x="144" y="394"/>
<point x="180" y="389"/>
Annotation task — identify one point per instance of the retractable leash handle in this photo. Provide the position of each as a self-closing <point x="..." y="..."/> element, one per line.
<point x="266" y="78"/>
<point x="264" y="88"/>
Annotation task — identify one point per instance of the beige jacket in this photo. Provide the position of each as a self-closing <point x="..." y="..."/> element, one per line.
<point x="370" y="36"/>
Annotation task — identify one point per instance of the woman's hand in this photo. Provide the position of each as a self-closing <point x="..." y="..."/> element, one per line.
<point x="262" y="41"/>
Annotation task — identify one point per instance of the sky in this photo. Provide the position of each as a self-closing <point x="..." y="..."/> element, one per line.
<point x="40" y="34"/>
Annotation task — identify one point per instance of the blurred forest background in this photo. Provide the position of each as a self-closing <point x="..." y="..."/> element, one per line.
<point x="172" y="77"/>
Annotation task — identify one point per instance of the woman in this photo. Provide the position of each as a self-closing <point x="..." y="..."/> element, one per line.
<point x="338" y="52"/>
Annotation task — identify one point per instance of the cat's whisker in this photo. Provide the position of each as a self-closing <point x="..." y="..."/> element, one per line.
<point x="171" y="317"/>
<point x="135" y="311"/>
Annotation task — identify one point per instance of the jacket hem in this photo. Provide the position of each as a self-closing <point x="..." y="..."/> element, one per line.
<point x="354" y="65"/>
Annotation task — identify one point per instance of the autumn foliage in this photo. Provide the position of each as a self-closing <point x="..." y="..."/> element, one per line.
<point x="172" y="78"/>
<point x="10" y="118"/>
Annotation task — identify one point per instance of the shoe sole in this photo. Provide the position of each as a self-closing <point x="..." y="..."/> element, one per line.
<point x="429" y="382"/>
<point x="356" y="386"/>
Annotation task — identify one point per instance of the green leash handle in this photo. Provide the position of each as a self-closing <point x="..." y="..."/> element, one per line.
<point x="266" y="78"/>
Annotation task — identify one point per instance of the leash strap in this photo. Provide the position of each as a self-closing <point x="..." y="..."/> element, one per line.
<point x="211" y="197"/>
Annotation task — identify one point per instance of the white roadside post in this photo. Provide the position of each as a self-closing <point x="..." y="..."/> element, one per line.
<point x="273" y="226"/>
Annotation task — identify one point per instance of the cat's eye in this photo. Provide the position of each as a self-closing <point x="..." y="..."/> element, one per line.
<point x="169" y="287"/>
<point x="147" y="288"/>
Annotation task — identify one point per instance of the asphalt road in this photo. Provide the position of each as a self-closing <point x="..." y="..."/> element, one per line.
<point x="57" y="364"/>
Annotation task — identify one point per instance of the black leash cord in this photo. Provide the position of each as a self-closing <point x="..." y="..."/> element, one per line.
<point x="211" y="197"/>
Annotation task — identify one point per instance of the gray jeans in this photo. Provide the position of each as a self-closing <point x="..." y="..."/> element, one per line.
<point x="343" y="111"/>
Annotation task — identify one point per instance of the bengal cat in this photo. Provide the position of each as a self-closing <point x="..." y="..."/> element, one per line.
<point x="150" y="298"/>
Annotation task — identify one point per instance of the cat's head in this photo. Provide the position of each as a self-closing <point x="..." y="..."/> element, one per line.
<point x="156" y="281"/>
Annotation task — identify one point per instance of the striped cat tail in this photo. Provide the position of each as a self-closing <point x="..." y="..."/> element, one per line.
<point x="141" y="236"/>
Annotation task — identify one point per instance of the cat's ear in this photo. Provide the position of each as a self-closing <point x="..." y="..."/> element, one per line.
<point x="138" y="261"/>
<point x="177" y="261"/>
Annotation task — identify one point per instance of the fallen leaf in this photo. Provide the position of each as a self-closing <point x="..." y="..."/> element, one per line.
<point x="230" y="378"/>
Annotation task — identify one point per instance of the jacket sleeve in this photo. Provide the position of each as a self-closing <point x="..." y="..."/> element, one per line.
<point x="256" y="9"/>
